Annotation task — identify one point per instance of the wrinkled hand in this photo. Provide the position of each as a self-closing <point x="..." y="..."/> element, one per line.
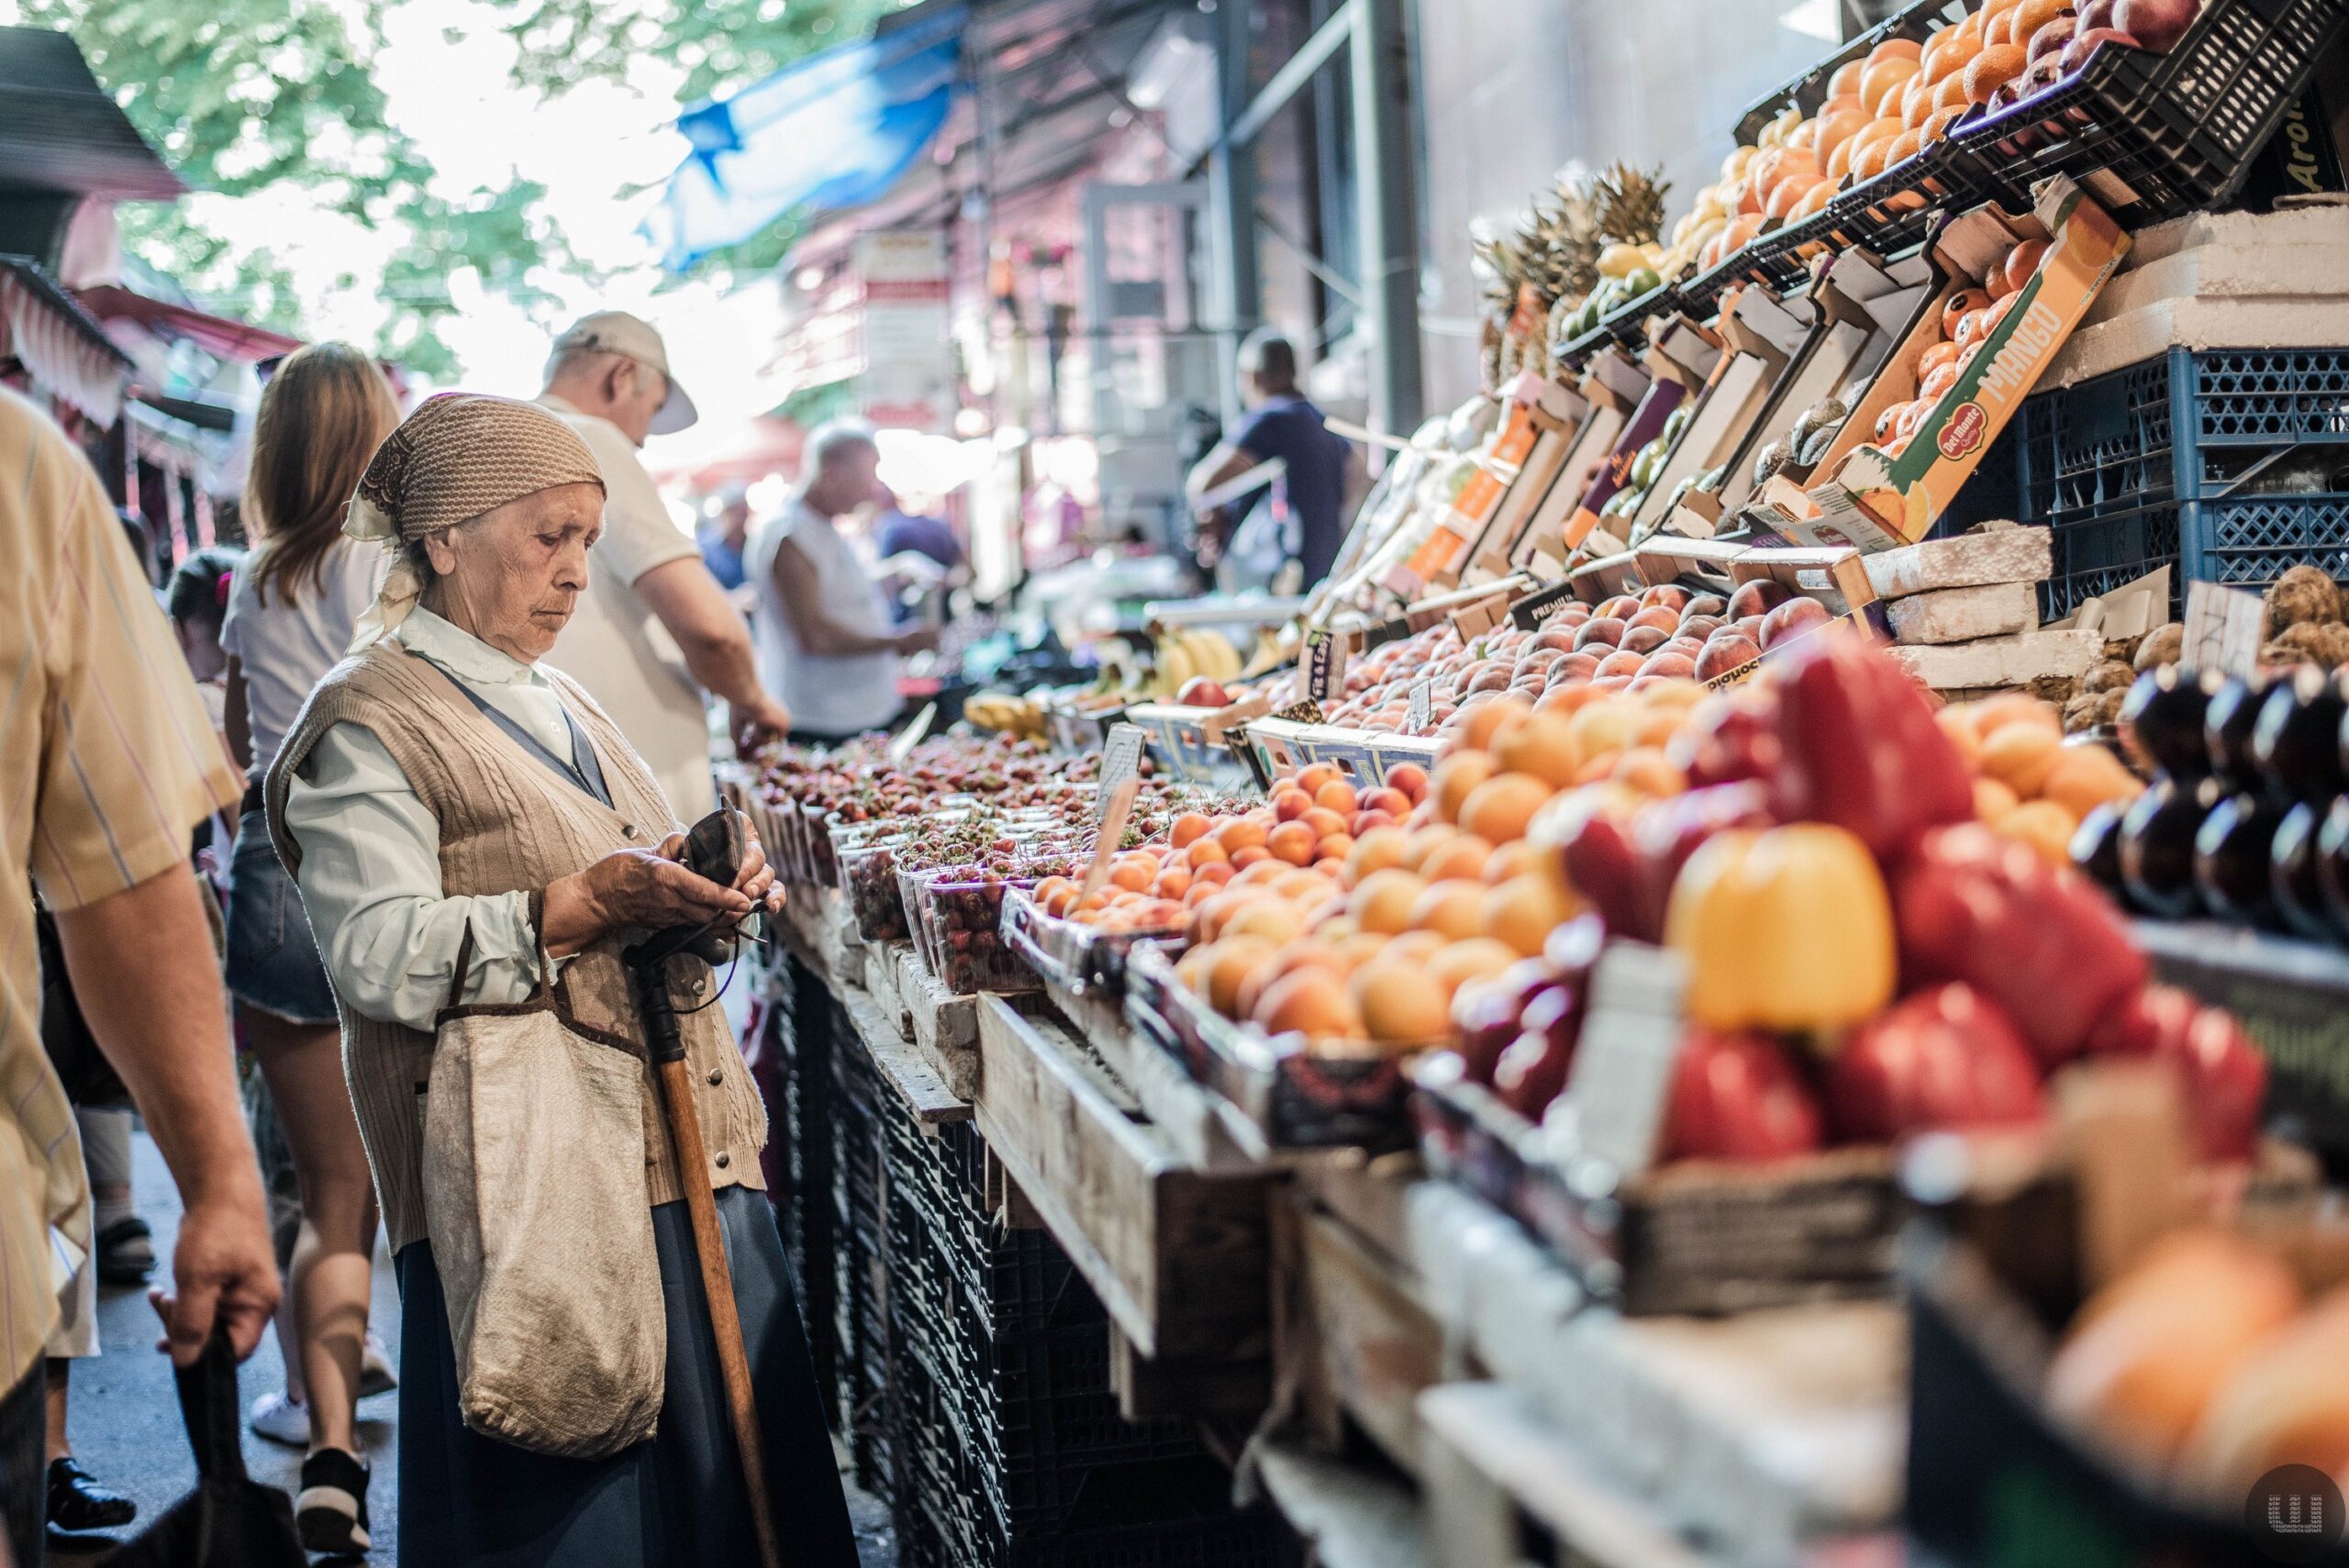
<point x="223" y="1271"/>
<point x="649" y="890"/>
<point x="756" y="723"/>
<point x="755" y="880"/>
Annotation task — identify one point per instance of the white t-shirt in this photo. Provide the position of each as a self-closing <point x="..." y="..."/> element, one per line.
<point x="831" y="694"/>
<point x="615" y="646"/>
<point x="285" y="646"/>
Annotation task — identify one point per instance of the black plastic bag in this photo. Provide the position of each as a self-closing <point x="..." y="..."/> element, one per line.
<point x="229" y="1520"/>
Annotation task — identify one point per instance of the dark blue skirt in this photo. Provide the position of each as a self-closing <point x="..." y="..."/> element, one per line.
<point x="673" y="1501"/>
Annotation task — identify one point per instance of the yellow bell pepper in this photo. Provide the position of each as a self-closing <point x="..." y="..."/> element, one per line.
<point x="1787" y="930"/>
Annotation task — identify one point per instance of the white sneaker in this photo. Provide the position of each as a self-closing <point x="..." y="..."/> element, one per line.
<point x="375" y="1374"/>
<point x="280" y="1420"/>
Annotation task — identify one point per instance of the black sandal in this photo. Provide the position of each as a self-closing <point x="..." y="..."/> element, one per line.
<point x="331" y="1511"/>
<point x="78" y="1502"/>
<point x="126" y="1251"/>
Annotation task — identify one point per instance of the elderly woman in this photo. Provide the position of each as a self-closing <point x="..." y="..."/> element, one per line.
<point x="469" y="833"/>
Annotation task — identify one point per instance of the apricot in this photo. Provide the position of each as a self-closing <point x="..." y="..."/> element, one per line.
<point x="1521" y="912"/>
<point x="1189" y="828"/>
<point x="1311" y="1001"/>
<point x="1461" y="858"/>
<point x="1456" y="777"/>
<point x="1449" y="908"/>
<point x="2022" y="757"/>
<point x="1375" y="850"/>
<point x="1498" y="809"/>
<point x="1382" y="901"/>
<point x="1293" y="843"/>
<point x="1401" y="1005"/>
<point x="1337" y="795"/>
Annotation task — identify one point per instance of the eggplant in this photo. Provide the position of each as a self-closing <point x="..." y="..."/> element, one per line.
<point x="2233" y="851"/>
<point x="2163" y="719"/>
<point x="2297" y="741"/>
<point x="2096" y="849"/>
<point x="2157" y="846"/>
<point x="2332" y="864"/>
<point x="2293" y="863"/>
<point x="2227" y="726"/>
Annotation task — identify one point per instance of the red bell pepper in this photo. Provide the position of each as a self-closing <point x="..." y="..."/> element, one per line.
<point x="1944" y="1058"/>
<point x="1737" y="1096"/>
<point x="2038" y="939"/>
<point x="1859" y="749"/>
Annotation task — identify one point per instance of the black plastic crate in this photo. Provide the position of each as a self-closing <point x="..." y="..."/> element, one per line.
<point x="2174" y="132"/>
<point x="1035" y="1503"/>
<point x="2222" y="462"/>
<point x="1808" y="90"/>
<point x="1254" y="1539"/>
<point x="1043" y="1400"/>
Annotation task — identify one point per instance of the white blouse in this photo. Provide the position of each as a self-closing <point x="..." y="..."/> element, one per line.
<point x="370" y="855"/>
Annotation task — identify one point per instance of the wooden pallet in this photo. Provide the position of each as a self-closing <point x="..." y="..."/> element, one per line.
<point x="1770" y="1429"/>
<point x="903" y="1068"/>
<point x="1353" y="1338"/>
<point x="1492" y="1463"/>
<point x="1180" y="1256"/>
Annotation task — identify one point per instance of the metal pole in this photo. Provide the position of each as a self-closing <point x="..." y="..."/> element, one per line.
<point x="1385" y="152"/>
<point x="1231" y="202"/>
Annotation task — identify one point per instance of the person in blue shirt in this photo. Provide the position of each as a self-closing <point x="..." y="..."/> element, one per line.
<point x="1281" y="423"/>
<point x="722" y="537"/>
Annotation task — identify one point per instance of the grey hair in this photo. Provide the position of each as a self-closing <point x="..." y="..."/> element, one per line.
<point x="832" y="438"/>
<point x="579" y="358"/>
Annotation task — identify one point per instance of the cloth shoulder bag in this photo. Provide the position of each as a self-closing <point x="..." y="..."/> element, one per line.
<point x="540" y="1222"/>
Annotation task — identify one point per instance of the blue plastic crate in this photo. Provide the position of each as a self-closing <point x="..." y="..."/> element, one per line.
<point x="2167" y="463"/>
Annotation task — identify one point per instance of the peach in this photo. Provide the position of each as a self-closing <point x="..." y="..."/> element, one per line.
<point x="1792" y="619"/>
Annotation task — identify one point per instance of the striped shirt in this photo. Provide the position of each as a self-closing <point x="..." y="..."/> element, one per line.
<point x="106" y="763"/>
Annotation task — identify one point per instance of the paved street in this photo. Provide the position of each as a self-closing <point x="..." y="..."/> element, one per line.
<point x="125" y="1425"/>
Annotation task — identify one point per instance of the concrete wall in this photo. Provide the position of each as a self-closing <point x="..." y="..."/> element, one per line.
<point x="1513" y="90"/>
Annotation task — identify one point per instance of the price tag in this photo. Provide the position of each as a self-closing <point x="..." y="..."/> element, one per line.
<point x="1120" y="760"/>
<point x="1422" y="705"/>
<point x="902" y="746"/>
<point x="1622" y="1072"/>
<point x="2223" y="629"/>
<point x="1325" y="665"/>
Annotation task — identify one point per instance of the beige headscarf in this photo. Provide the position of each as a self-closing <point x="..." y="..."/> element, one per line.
<point x="459" y="455"/>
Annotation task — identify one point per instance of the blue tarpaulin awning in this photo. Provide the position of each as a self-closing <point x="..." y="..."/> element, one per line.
<point x="832" y="131"/>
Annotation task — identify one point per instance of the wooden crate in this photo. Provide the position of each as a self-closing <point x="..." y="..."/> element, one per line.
<point x="1202" y="1128"/>
<point x="1180" y="1256"/>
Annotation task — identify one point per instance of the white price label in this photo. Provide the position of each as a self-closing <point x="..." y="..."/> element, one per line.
<point x="1120" y="760"/>
<point x="2224" y="627"/>
<point x="1622" y="1072"/>
<point x="1325" y="665"/>
<point x="902" y="745"/>
<point x="1422" y="705"/>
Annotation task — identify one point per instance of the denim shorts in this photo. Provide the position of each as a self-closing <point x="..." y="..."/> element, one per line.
<point x="273" y="959"/>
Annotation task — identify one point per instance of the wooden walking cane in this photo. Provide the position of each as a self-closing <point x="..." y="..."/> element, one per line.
<point x="649" y="963"/>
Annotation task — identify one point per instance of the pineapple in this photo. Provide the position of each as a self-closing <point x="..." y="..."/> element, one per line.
<point x="1628" y="204"/>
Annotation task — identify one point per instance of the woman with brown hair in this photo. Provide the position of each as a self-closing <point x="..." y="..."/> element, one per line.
<point x="292" y="607"/>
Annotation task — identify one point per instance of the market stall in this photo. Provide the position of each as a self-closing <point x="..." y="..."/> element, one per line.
<point x="1756" y="978"/>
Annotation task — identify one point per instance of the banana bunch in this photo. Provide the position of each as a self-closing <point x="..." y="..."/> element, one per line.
<point x="1187" y="652"/>
<point x="1007" y="712"/>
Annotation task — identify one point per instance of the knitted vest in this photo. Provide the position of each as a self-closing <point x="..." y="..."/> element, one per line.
<point x="509" y="823"/>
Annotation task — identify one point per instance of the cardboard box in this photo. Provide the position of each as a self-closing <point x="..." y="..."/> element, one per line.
<point x="1877" y="498"/>
<point x="1759" y="334"/>
<point x="1558" y="415"/>
<point x="1195" y="742"/>
<point x="1860" y="309"/>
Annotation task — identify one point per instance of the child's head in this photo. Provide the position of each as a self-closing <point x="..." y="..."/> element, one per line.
<point x="199" y="601"/>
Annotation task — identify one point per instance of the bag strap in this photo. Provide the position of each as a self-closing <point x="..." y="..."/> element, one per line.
<point x="465" y="965"/>
<point x="208" y="1392"/>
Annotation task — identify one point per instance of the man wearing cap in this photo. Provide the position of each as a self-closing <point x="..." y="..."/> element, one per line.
<point x="608" y="379"/>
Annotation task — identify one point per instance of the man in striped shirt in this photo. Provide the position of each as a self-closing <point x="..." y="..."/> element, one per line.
<point x="106" y="763"/>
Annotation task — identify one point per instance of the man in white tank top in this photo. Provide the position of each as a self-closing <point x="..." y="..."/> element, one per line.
<point x="825" y="639"/>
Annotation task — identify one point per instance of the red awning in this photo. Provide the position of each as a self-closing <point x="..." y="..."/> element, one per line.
<point x="66" y="352"/>
<point x="215" y="335"/>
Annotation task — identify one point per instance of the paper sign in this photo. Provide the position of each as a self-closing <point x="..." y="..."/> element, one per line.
<point x="2223" y="629"/>
<point x="1622" y="1072"/>
<point x="1120" y="760"/>
<point x="1422" y="705"/>
<point x="1325" y="665"/>
<point x="911" y="736"/>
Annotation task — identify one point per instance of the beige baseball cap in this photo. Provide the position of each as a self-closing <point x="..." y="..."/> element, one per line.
<point x="617" y="333"/>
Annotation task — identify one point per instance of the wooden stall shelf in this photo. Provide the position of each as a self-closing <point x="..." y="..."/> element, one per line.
<point x="1351" y="1339"/>
<point x="884" y="978"/>
<point x="945" y="1028"/>
<point x="1209" y="1390"/>
<point x="1491" y="1458"/>
<point x="1180" y="1256"/>
<point x="1353" y="1518"/>
<point x="932" y="1103"/>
